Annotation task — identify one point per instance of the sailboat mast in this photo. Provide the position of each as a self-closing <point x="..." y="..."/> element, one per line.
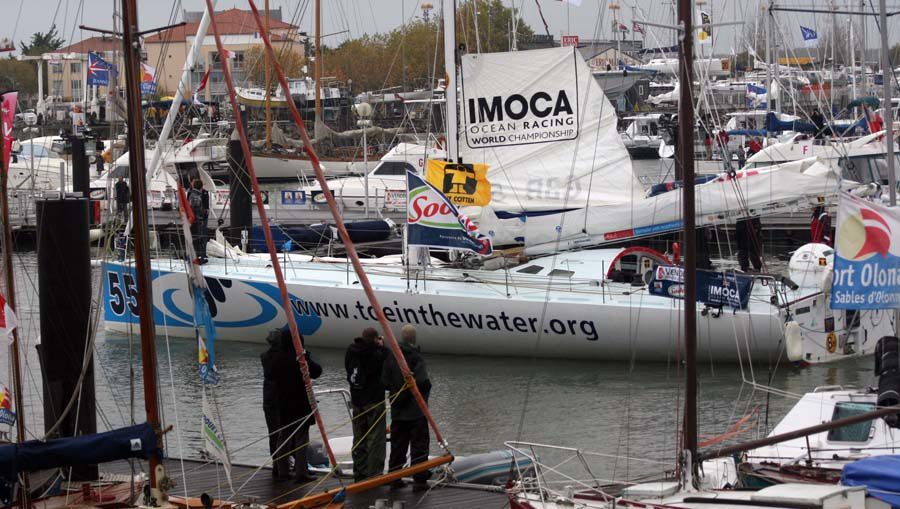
<point x="317" y="70"/>
<point x="686" y="153"/>
<point x="888" y="81"/>
<point x="448" y="12"/>
<point x="131" y="43"/>
<point x="268" y="72"/>
<point x="11" y="301"/>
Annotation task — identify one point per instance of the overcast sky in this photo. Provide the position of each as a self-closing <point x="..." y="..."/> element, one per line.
<point x="24" y="17"/>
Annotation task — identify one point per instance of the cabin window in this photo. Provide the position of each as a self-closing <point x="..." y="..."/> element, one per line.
<point x="531" y="269"/>
<point x="393" y="168"/>
<point x="561" y="273"/>
<point x="854" y="432"/>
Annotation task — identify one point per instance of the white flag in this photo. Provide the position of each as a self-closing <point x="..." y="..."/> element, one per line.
<point x="8" y="320"/>
<point x="576" y="3"/>
<point x="213" y="438"/>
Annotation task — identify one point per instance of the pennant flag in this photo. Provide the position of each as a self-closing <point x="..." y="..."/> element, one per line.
<point x="576" y="3"/>
<point x="463" y="184"/>
<point x="7" y="416"/>
<point x="8" y="320"/>
<point x="433" y="221"/>
<point x="206" y="342"/>
<point x="637" y="28"/>
<point x="8" y="118"/>
<point x="213" y="438"/>
<point x="619" y="27"/>
<point x="866" y="261"/>
<point x="755" y="89"/>
<point x="202" y="86"/>
<point x="99" y="71"/>
<point x="810" y="37"/>
<point x="704" y="35"/>
<point x="148" y="79"/>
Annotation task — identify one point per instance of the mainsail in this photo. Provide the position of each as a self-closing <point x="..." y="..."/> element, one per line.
<point x="542" y="123"/>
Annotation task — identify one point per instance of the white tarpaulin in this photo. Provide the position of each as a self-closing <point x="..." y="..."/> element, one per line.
<point x="541" y="122"/>
<point x="756" y="192"/>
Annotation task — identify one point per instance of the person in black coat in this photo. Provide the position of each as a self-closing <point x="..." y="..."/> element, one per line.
<point x="293" y="407"/>
<point x="270" y="399"/>
<point x="748" y="233"/>
<point x="409" y="428"/>
<point x="364" y="363"/>
<point x="123" y="197"/>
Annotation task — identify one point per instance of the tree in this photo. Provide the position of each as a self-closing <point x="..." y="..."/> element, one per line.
<point x="494" y="26"/>
<point x="17" y="75"/>
<point x="42" y="43"/>
<point x="291" y="60"/>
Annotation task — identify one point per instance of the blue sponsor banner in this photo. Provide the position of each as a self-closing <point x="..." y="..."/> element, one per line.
<point x="206" y="343"/>
<point x="717" y="289"/>
<point x="866" y="263"/>
<point x="432" y="221"/>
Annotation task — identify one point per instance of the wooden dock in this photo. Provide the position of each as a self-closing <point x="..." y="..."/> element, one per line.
<point x="263" y="489"/>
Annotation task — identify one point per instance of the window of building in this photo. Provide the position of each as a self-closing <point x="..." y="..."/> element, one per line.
<point x="75" y="67"/>
<point x="56" y="68"/>
<point x="854" y="432"/>
<point x="56" y="87"/>
<point x="237" y="62"/>
<point x="76" y="85"/>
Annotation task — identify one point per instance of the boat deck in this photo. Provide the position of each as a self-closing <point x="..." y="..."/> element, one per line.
<point x="261" y="488"/>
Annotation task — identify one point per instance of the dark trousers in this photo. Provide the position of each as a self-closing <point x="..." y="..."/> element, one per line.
<point x="296" y="444"/>
<point x="273" y="422"/>
<point x="199" y="231"/>
<point x="369" y="441"/>
<point x="748" y="255"/>
<point x="412" y="436"/>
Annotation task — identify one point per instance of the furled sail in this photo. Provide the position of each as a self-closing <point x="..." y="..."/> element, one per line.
<point x="543" y="125"/>
<point x="757" y="192"/>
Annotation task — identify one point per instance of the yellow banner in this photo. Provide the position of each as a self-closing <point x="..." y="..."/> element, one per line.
<point x="464" y="184"/>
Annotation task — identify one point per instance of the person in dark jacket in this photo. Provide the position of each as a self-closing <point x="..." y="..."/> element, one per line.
<point x="123" y="197"/>
<point x="820" y="227"/>
<point x="364" y="362"/>
<point x="270" y="400"/>
<point x="409" y="429"/>
<point x="748" y="233"/>
<point x="198" y="199"/>
<point x="293" y="407"/>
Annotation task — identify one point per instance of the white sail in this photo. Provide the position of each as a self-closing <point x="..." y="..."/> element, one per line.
<point x="756" y="192"/>
<point x="543" y="124"/>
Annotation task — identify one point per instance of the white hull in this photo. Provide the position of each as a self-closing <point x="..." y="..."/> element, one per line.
<point x="467" y="314"/>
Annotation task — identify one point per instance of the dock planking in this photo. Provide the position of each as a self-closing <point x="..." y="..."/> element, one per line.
<point x="201" y="477"/>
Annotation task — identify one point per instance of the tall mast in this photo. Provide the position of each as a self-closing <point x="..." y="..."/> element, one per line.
<point x="132" y="53"/>
<point x="852" y="45"/>
<point x="888" y="81"/>
<point x="686" y="153"/>
<point x="865" y="45"/>
<point x="317" y="70"/>
<point x="11" y="301"/>
<point x="448" y="13"/>
<point x="767" y="20"/>
<point x="268" y="87"/>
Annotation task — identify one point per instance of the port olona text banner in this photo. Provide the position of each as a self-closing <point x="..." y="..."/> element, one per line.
<point x="866" y="261"/>
<point x="433" y="221"/>
<point x="464" y="184"/>
<point x="716" y="289"/>
<point x="519" y="98"/>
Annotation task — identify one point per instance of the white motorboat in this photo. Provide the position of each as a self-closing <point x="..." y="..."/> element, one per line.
<point x="642" y="136"/>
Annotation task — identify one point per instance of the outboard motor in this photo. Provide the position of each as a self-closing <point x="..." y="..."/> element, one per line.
<point x="887" y="368"/>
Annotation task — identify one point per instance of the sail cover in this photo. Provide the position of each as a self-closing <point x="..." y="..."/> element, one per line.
<point x="543" y="125"/>
<point x="137" y="441"/>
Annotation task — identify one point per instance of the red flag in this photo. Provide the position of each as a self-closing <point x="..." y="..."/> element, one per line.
<point x="202" y="85"/>
<point x="185" y="205"/>
<point x="637" y="28"/>
<point x="7" y="117"/>
<point x="8" y="320"/>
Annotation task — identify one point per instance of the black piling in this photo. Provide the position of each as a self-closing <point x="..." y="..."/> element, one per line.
<point x="64" y="274"/>
<point x="81" y="166"/>
<point x="239" y="191"/>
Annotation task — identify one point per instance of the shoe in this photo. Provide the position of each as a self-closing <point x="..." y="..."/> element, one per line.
<point x="420" y="486"/>
<point x="398" y="484"/>
<point x="305" y="479"/>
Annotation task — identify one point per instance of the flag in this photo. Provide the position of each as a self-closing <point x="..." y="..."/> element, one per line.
<point x="8" y="118"/>
<point x="213" y="439"/>
<point x="206" y="340"/>
<point x="866" y="261"/>
<point x="201" y="87"/>
<point x="810" y="37"/>
<point x="148" y="79"/>
<point x="463" y="184"/>
<point x="755" y="89"/>
<point x="619" y="27"/>
<point x="637" y="28"/>
<point x="99" y="71"/>
<point x="8" y="320"/>
<point x="433" y="220"/>
<point x="7" y="416"/>
<point x="704" y="34"/>
<point x="576" y="3"/>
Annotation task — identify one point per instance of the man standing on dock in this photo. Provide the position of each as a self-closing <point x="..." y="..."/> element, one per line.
<point x="409" y="429"/>
<point x="364" y="363"/>
<point x="123" y="198"/>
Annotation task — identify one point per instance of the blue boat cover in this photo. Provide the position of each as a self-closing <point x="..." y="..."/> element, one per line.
<point x="748" y="132"/>
<point x="880" y="475"/>
<point x="773" y="124"/>
<point x="137" y="441"/>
